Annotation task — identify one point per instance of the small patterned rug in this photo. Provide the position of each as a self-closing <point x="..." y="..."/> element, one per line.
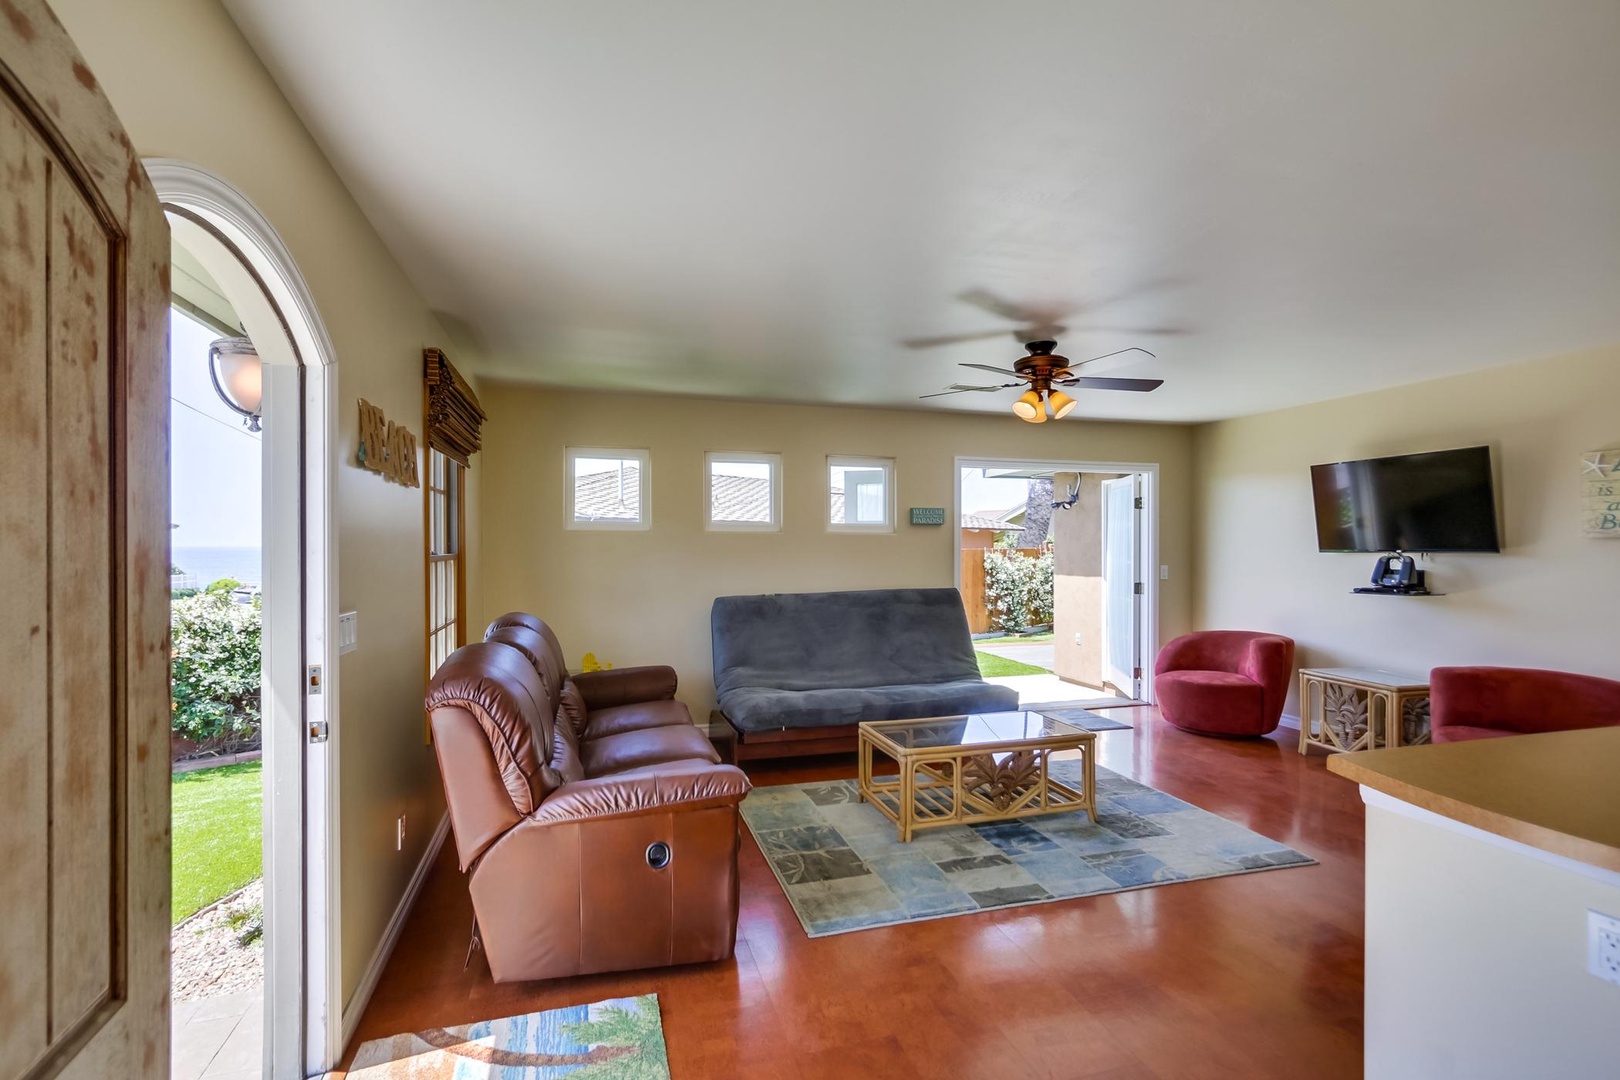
<point x="843" y="867"/>
<point x="618" y="1039"/>
<point x="1080" y="718"/>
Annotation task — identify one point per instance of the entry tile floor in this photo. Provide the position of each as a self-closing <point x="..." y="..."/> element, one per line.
<point x="218" y="1038"/>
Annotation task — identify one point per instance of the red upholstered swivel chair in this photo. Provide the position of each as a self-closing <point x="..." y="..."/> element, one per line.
<point x="1230" y="683"/>
<point x="1486" y="702"/>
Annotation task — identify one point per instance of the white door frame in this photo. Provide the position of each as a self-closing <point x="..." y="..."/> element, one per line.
<point x="1148" y="630"/>
<point x="1131" y="674"/>
<point x="303" y="994"/>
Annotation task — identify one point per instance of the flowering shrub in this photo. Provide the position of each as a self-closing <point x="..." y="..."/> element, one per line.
<point x="1018" y="589"/>
<point x="214" y="671"/>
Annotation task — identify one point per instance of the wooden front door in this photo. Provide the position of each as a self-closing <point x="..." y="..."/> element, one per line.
<point x="84" y="575"/>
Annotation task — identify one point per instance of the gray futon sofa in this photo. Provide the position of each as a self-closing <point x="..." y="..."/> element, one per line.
<point x="801" y="669"/>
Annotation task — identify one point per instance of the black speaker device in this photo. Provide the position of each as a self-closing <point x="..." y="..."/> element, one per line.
<point x="1396" y="573"/>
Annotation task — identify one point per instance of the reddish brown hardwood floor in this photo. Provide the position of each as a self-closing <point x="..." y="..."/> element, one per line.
<point x="1252" y="976"/>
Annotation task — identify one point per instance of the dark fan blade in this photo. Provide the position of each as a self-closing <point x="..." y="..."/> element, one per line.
<point x="1042" y="321"/>
<point x="997" y="370"/>
<point x="985" y="300"/>
<point x="1094" y="382"/>
<point x="1104" y="356"/>
<point x="956" y="339"/>
<point x="1136" y="331"/>
<point x="965" y="389"/>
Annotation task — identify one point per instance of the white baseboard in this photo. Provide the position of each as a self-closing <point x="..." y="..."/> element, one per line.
<point x="385" y="948"/>
<point x="1289" y="720"/>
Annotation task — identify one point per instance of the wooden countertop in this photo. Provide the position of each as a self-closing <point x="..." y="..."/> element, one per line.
<point x="1559" y="791"/>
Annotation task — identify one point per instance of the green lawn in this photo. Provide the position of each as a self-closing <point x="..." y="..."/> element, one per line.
<point x="1015" y="639"/>
<point x="218" y="833"/>
<point x="992" y="666"/>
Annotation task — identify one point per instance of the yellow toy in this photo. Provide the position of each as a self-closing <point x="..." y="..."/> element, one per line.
<point x="591" y="663"/>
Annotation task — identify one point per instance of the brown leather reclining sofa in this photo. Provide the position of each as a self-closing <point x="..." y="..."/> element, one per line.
<point x="597" y="823"/>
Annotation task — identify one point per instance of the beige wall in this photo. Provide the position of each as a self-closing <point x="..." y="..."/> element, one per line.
<point x="644" y="597"/>
<point x="187" y="86"/>
<point x="1548" y="601"/>
<point x="1476" y="956"/>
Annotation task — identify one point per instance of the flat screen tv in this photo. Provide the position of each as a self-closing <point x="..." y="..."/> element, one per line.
<point x="1444" y="501"/>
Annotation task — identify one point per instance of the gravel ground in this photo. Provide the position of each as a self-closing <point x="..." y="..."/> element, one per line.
<point x="208" y="960"/>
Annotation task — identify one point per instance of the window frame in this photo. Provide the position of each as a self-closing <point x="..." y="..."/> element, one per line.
<point x="846" y="461"/>
<point x="642" y="457"/>
<point x="454" y="494"/>
<point x="742" y="457"/>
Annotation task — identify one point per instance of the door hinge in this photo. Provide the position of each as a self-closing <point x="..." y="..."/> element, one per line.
<point x="314" y="678"/>
<point x="1137" y="674"/>
<point x="1139" y="503"/>
<point x="317" y="731"/>
<point x="1139" y="589"/>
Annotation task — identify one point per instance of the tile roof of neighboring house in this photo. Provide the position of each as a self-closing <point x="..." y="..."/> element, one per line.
<point x="599" y="496"/>
<point x="741" y="498"/>
<point x="984" y="521"/>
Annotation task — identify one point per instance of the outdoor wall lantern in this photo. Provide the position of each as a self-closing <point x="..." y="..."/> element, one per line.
<point x="238" y="374"/>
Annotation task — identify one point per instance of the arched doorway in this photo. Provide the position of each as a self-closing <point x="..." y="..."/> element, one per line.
<point x="222" y="230"/>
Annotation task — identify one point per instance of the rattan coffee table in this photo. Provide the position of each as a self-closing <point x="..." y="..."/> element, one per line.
<point x="976" y="768"/>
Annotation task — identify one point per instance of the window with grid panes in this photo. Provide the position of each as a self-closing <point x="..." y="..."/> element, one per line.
<point x="446" y="568"/>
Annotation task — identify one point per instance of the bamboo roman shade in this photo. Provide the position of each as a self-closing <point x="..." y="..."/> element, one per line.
<point x="454" y="416"/>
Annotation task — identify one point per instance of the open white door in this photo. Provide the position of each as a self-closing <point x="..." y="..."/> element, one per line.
<point x="84" y="554"/>
<point x="1122" y="608"/>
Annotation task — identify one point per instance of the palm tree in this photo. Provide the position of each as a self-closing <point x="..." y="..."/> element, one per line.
<point x="625" y="1044"/>
<point x="637" y="1033"/>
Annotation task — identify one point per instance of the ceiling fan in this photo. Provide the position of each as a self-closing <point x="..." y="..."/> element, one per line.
<point x="1042" y="372"/>
<point x="1035" y="322"/>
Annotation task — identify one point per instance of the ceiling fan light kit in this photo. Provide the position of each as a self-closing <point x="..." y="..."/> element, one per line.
<point x="1041" y="372"/>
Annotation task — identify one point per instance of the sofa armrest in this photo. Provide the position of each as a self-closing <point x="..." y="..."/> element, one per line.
<point x="625" y="686"/>
<point x="679" y="787"/>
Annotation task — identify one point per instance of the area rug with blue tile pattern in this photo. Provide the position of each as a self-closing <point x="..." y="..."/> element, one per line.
<point x="843" y="867"/>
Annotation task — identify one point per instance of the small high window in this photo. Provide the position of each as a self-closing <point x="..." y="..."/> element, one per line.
<point x="860" y="494"/>
<point x="742" y="491"/>
<point x="608" y="489"/>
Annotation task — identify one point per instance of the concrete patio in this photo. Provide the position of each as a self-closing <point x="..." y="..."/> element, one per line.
<point x="218" y="1038"/>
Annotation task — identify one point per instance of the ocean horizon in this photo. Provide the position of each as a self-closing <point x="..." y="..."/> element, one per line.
<point x="206" y="565"/>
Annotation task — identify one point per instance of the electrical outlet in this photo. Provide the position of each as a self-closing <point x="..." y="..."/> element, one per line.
<point x="399" y="834"/>
<point x="1603" y="946"/>
<point x="1077" y="639"/>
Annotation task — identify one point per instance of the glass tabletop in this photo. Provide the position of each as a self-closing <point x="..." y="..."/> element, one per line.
<point x="974" y="729"/>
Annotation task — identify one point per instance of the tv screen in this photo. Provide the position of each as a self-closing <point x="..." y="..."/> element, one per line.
<point x="1444" y="501"/>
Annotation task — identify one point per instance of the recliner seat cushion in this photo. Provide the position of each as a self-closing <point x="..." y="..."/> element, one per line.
<point x="638" y="717"/>
<point x="764" y="709"/>
<point x="653" y="746"/>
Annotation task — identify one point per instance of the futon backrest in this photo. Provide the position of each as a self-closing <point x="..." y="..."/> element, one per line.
<point x="813" y="641"/>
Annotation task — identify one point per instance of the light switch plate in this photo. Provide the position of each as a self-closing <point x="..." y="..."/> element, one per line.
<point x="348" y="631"/>
<point x="1603" y="946"/>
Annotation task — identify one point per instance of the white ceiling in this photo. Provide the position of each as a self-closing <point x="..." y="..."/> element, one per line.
<point x="763" y="199"/>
